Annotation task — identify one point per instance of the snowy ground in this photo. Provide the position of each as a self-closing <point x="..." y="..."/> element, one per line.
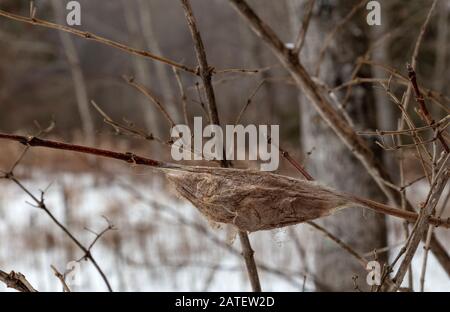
<point x="158" y="246"/>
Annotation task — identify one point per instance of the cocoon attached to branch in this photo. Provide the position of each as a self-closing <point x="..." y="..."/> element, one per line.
<point x="251" y="200"/>
<point x="255" y="201"/>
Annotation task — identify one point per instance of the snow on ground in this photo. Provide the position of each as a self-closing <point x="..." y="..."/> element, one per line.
<point x="159" y="244"/>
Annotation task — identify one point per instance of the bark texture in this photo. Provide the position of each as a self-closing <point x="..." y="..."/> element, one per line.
<point x="331" y="162"/>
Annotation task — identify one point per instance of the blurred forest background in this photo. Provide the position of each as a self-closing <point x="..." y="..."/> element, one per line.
<point x="162" y="243"/>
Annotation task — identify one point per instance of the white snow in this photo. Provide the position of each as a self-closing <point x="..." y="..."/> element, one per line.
<point x="150" y="251"/>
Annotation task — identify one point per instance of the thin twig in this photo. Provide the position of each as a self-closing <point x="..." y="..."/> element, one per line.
<point x="96" y="38"/>
<point x="61" y="278"/>
<point x="41" y="205"/>
<point x="432" y="95"/>
<point x="334" y="31"/>
<point x="300" y="41"/>
<point x="363" y="261"/>
<point x="149" y="95"/>
<point x="205" y="74"/>
<point x="444" y="122"/>
<point x="422" y="223"/>
<point x="407" y="96"/>
<point x="182" y="94"/>
<point x="249" y="101"/>
<point x="424" y="113"/>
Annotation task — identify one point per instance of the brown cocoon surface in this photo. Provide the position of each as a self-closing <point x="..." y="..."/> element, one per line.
<point x="254" y="201"/>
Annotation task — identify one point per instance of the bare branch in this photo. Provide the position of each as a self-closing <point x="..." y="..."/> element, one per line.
<point x="334" y="31"/>
<point x="127" y="157"/>
<point x="96" y="38"/>
<point x="149" y="95"/>
<point x="422" y="223"/>
<point x="16" y="281"/>
<point x="206" y="74"/>
<point x="182" y="94"/>
<point x="300" y="41"/>
<point x="424" y="113"/>
<point x="61" y="278"/>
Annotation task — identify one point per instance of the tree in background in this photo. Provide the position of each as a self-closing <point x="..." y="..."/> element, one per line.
<point x="331" y="162"/>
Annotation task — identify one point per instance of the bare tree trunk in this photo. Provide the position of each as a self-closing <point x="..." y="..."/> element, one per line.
<point x="331" y="162"/>
<point x="152" y="43"/>
<point x="141" y="68"/>
<point x="77" y="76"/>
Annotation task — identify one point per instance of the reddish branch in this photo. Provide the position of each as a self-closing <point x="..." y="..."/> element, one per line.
<point x="424" y="113"/>
<point x="127" y="157"/>
<point x="138" y="160"/>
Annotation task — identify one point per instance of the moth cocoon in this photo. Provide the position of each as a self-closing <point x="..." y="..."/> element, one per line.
<point x="254" y="201"/>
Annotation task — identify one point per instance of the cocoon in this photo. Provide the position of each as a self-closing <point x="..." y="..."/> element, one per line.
<point x="254" y="201"/>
